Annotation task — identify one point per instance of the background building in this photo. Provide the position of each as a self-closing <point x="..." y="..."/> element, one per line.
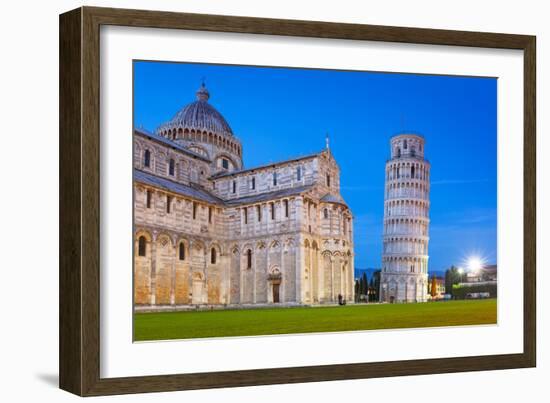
<point x="208" y="231"/>
<point x="406" y="221"/>
<point x="486" y="274"/>
<point x="439" y="291"/>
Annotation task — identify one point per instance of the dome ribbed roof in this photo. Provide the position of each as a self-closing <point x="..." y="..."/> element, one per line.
<point x="199" y="115"/>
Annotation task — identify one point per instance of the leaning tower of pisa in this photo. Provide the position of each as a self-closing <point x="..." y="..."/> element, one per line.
<point x="404" y="276"/>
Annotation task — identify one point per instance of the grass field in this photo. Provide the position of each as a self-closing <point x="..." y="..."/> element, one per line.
<point x="185" y="325"/>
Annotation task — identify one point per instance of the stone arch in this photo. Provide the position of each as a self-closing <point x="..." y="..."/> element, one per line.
<point x="197" y="259"/>
<point x="274" y="280"/>
<point x="261" y="272"/>
<point x="181" y="241"/>
<point x="182" y="266"/>
<point x="142" y="268"/>
<point x="327" y="292"/>
<point x="199" y="149"/>
<point x="215" y="252"/>
<point x="138" y="150"/>
<point x="164" y="261"/>
<point x="235" y="276"/>
<point x="198" y="287"/>
<point x="214" y="278"/>
<point x="247" y="246"/>
<point x="392" y="290"/>
<point x="289" y="243"/>
<point x="247" y="273"/>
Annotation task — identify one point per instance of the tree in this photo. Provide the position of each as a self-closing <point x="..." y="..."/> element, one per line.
<point x="452" y="277"/>
<point x="357" y="290"/>
<point x="372" y="290"/>
<point x="364" y="284"/>
<point x="376" y="278"/>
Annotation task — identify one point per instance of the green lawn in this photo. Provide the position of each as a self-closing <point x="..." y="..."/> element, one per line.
<point x="185" y="325"/>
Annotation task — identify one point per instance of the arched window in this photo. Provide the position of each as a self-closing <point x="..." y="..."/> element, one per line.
<point x="249" y="259"/>
<point x="412" y="171"/>
<point x="405" y="144"/>
<point x="147" y="158"/>
<point x="148" y="199"/>
<point x="285" y="202"/>
<point x="325" y="213"/>
<point x="171" y="167"/>
<point x="142" y="244"/>
<point x="412" y="269"/>
<point x="299" y="173"/>
<point x="213" y="256"/>
<point x="168" y="204"/>
<point x="253" y="183"/>
<point x="398" y="152"/>
<point x="328" y="180"/>
<point x="234" y="187"/>
<point x="274" y="178"/>
<point x="182" y="251"/>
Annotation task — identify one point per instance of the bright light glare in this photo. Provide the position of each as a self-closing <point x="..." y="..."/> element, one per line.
<point x="475" y="263"/>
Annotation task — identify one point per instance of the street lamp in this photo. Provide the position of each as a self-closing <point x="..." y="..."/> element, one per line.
<point x="461" y="274"/>
<point x="474" y="264"/>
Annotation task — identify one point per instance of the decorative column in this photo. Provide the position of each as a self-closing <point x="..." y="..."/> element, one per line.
<point x="282" y="288"/>
<point x="173" y="273"/>
<point x="299" y="262"/>
<point x="153" y="287"/>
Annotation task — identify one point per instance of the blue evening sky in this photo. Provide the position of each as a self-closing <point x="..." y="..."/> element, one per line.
<point x="279" y="113"/>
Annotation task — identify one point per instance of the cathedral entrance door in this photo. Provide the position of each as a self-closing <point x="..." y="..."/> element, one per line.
<point x="276" y="293"/>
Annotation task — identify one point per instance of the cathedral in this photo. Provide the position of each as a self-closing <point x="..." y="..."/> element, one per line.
<point x="209" y="231"/>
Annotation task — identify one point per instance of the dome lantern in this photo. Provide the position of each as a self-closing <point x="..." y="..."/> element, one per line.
<point x="202" y="93"/>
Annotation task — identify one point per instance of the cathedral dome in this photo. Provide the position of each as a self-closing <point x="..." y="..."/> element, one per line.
<point x="199" y="116"/>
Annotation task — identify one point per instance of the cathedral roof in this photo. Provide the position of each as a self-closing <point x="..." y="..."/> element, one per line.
<point x="199" y="115"/>
<point x="270" y="165"/>
<point x="268" y="196"/>
<point x="170" y="143"/>
<point x="332" y="198"/>
<point x="199" y="193"/>
<point x="184" y="190"/>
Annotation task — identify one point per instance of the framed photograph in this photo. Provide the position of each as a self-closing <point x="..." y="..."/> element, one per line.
<point x="250" y="201"/>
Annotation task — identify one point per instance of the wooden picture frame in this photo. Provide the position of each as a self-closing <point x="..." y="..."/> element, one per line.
<point x="79" y="346"/>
